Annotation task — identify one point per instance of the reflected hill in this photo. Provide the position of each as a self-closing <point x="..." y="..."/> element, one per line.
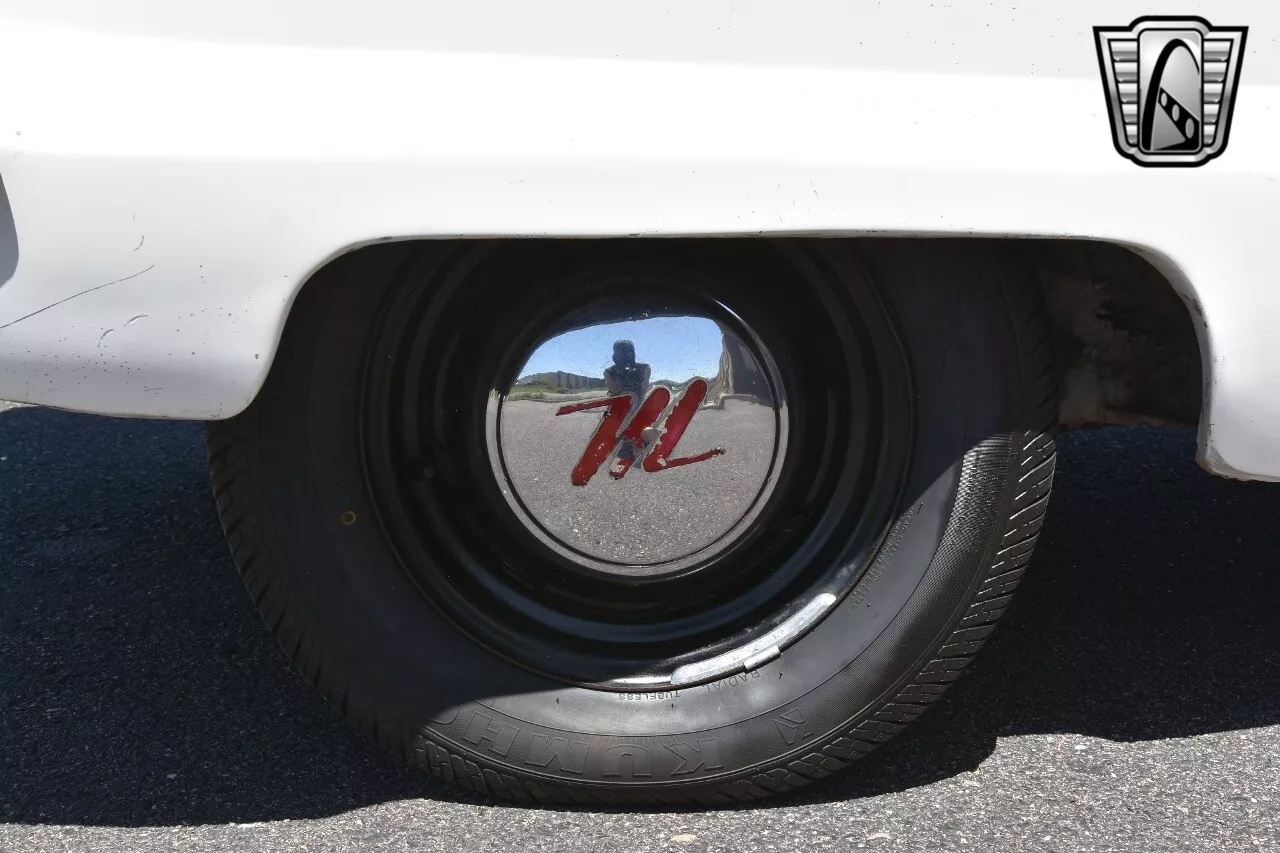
<point x="739" y="377"/>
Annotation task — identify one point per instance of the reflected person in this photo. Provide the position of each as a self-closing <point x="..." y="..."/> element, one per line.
<point x="626" y="376"/>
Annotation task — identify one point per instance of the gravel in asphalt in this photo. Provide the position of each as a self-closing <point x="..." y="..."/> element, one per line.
<point x="1129" y="702"/>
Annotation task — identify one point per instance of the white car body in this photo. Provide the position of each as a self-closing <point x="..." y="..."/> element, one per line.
<point x="175" y="171"/>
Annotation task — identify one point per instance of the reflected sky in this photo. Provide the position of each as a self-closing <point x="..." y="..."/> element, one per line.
<point x="675" y="348"/>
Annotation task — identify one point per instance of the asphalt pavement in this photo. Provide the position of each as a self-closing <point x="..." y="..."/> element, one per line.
<point x="1130" y="700"/>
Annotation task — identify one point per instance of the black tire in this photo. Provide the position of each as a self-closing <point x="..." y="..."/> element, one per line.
<point x="294" y="502"/>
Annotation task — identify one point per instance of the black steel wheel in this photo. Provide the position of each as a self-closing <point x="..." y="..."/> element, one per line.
<point x="629" y="520"/>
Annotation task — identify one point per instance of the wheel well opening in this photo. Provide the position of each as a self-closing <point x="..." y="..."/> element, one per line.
<point x="1127" y="346"/>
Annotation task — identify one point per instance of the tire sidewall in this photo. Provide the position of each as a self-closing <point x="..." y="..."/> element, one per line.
<point x="428" y="681"/>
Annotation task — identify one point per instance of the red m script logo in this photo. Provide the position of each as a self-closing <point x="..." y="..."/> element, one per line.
<point x="607" y="436"/>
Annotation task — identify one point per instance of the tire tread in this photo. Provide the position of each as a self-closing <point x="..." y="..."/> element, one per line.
<point x="1034" y="447"/>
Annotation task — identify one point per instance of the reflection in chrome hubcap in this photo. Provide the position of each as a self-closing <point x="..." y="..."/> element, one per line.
<point x="641" y="437"/>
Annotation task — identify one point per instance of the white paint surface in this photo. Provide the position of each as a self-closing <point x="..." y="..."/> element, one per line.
<point x="177" y="170"/>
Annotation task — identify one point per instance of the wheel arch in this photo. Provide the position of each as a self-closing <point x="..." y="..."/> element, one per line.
<point x="1132" y="339"/>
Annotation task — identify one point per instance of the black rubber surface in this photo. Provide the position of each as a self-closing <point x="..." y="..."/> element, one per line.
<point x="340" y="606"/>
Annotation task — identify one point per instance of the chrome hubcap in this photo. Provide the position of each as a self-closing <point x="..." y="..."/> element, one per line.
<point x="641" y="436"/>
